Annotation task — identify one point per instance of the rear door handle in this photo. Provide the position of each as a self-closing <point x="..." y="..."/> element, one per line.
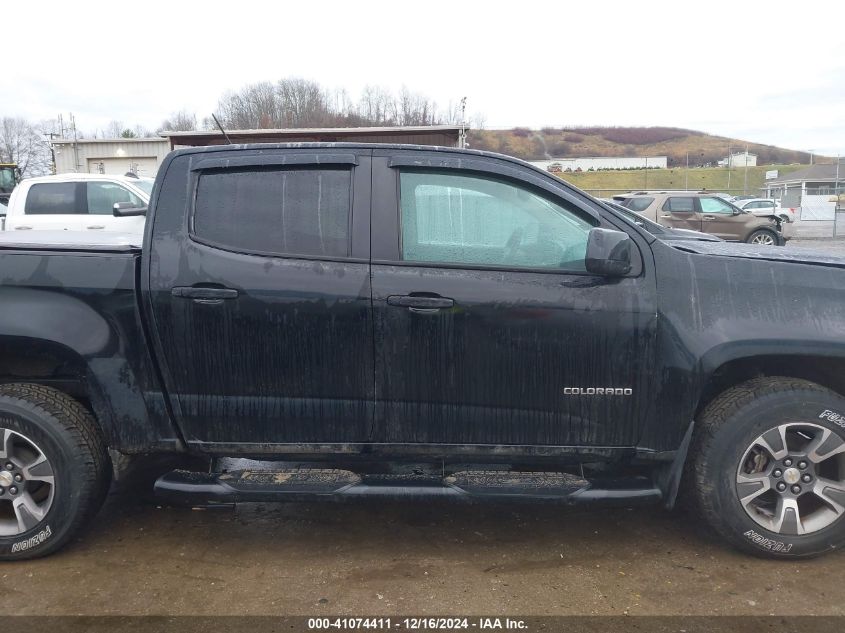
<point x="707" y="217"/>
<point x="201" y="293"/>
<point x="97" y="226"/>
<point x="23" y="228"/>
<point x="420" y="304"/>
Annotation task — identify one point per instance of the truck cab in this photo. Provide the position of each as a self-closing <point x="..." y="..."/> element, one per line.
<point x="77" y="202"/>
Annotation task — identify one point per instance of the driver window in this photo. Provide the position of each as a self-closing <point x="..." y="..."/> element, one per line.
<point x="715" y="205"/>
<point x="476" y="220"/>
<point x="102" y="197"/>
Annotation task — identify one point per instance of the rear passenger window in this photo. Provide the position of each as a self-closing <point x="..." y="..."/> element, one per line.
<point x="275" y="211"/>
<point x="679" y="205"/>
<point x="58" y="198"/>
<point x="638" y="204"/>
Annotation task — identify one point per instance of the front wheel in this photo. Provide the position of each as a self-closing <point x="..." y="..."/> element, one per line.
<point x="767" y="468"/>
<point x="763" y="237"/>
<point x="54" y="470"/>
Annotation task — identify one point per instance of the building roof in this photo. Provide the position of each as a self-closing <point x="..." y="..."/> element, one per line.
<point x="70" y="141"/>
<point x="811" y="173"/>
<point x="319" y="130"/>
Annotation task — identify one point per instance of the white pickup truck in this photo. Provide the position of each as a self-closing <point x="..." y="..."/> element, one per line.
<point x="77" y="202"/>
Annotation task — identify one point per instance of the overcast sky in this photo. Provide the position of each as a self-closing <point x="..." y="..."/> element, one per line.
<point x="770" y="72"/>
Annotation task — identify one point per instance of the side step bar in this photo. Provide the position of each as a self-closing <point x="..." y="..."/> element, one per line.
<point x="180" y="486"/>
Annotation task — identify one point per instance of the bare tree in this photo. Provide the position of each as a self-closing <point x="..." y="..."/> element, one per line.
<point x="297" y="103"/>
<point x="24" y="143"/>
<point x="114" y="129"/>
<point x="181" y="121"/>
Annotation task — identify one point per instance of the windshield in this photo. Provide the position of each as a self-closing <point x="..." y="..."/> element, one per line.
<point x="145" y="185"/>
<point x="7" y="179"/>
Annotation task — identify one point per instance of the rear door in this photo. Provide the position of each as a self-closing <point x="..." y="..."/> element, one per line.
<point x="680" y="212"/>
<point x="488" y="329"/>
<point x="55" y="206"/>
<point x="260" y="296"/>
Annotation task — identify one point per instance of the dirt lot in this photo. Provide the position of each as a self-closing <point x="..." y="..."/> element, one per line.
<point x="403" y="558"/>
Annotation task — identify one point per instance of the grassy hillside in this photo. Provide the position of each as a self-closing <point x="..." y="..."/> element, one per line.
<point x="675" y="143"/>
<point x="606" y="183"/>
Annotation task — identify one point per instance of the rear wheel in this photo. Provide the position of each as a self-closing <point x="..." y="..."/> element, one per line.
<point x="767" y="468"/>
<point x="763" y="237"/>
<point x="54" y="470"/>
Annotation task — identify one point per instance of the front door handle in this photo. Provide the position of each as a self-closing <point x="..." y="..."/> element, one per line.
<point x="420" y="304"/>
<point x="204" y="294"/>
<point x="23" y="228"/>
<point x="707" y="217"/>
<point x="97" y="226"/>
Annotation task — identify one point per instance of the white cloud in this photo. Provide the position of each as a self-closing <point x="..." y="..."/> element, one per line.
<point x="766" y="71"/>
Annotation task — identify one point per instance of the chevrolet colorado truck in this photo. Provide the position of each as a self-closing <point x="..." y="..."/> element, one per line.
<point x="344" y="321"/>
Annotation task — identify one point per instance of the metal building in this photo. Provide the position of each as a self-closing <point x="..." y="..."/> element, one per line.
<point x="144" y="155"/>
<point x="141" y="156"/>
<point x="443" y="135"/>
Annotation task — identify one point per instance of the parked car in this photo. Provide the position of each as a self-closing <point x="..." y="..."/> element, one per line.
<point x="767" y="207"/>
<point x="708" y="213"/>
<point x="77" y="202"/>
<point x="392" y="321"/>
<point x="661" y="232"/>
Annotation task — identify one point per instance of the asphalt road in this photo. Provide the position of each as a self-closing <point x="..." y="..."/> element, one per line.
<point x="397" y="558"/>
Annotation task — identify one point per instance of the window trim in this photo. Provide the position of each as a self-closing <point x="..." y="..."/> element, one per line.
<point x="490" y="175"/>
<point x="228" y="165"/>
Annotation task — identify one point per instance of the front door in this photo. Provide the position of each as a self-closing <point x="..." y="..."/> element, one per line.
<point x="261" y="300"/>
<point x="720" y="219"/>
<point x="489" y="330"/>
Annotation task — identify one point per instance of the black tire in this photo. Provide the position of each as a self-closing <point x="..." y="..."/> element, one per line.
<point x="67" y="435"/>
<point x="763" y="234"/>
<point x="726" y="429"/>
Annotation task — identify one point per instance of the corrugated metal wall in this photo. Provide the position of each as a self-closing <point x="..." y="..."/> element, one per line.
<point x="80" y="157"/>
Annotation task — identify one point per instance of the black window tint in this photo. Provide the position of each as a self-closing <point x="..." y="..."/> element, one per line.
<point x="679" y="205"/>
<point x="52" y="198"/>
<point x="276" y="211"/>
<point x="638" y="204"/>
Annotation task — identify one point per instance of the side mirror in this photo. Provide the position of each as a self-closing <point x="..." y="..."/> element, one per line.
<point x="127" y="209"/>
<point x="608" y="253"/>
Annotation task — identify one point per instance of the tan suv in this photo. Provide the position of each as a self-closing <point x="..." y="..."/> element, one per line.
<point x="707" y="213"/>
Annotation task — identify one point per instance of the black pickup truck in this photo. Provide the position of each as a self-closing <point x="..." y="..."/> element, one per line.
<point x="348" y="321"/>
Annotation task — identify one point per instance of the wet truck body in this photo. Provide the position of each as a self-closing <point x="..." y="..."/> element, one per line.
<point x="408" y="321"/>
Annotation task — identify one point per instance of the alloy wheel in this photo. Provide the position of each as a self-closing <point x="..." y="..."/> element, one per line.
<point x="764" y="239"/>
<point x="791" y="479"/>
<point x="27" y="483"/>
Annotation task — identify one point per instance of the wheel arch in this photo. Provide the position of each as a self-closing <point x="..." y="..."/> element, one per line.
<point x="727" y="368"/>
<point x="53" y="364"/>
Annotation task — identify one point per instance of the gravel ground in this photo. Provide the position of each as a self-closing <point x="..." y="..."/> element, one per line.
<point x="399" y="558"/>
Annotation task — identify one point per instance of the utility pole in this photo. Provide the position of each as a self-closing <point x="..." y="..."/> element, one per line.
<point x="462" y="138"/>
<point x="686" y="175"/>
<point x="730" y="159"/>
<point x="745" y="184"/>
<point x="646" y="174"/>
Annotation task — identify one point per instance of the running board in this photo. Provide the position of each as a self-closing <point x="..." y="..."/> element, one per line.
<point x="180" y="486"/>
